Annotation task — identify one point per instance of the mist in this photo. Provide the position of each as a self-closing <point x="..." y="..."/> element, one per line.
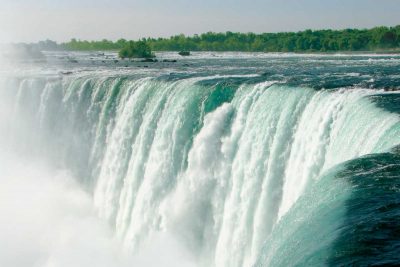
<point x="48" y="220"/>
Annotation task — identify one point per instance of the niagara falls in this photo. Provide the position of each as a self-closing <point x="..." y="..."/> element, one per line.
<point x="221" y="140"/>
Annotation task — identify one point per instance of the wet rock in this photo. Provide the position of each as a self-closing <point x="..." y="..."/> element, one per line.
<point x="184" y="53"/>
<point x="149" y="60"/>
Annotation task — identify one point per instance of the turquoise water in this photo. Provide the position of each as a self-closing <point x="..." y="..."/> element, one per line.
<point x="244" y="159"/>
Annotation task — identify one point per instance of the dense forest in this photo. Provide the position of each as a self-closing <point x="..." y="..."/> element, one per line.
<point x="378" y="38"/>
<point x="305" y="41"/>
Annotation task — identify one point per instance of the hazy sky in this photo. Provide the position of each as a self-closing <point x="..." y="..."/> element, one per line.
<point x="60" y="20"/>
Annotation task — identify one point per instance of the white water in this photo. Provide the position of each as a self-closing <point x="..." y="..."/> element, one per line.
<point x="216" y="182"/>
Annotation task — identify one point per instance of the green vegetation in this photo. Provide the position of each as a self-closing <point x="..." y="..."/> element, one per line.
<point x="378" y="38"/>
<point x="138" y="49"/>
<point x="78" y="45"/>
<point x="306" y="41"/>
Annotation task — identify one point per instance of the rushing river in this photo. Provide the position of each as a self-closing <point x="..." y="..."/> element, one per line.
<point x="218" y="159"/>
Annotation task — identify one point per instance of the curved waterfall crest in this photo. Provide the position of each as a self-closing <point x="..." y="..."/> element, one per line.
<point x="218" y="166"/>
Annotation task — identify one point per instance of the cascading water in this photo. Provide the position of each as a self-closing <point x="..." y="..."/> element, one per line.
<point x="236" y="169"/>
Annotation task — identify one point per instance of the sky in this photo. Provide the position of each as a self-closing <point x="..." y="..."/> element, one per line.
<point x="61" y="20"/>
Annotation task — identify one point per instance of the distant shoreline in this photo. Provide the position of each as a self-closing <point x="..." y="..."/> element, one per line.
<point x="252" y="52"/>
<point x="377" y="40"/>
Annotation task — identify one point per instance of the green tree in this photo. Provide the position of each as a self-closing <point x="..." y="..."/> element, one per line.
<point x="139" y="49"/>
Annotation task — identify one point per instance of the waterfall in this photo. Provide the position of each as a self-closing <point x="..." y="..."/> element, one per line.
<point x="215" y="165"/>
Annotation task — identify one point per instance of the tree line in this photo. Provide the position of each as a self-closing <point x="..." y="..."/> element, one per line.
<point x="378" y="38"/>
